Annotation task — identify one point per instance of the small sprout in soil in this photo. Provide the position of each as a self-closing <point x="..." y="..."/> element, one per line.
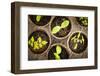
<point x="38" y="18"/>
<point x="39" y="43"/>
<point x="84" y="20"/>
<point x="76" y="40"/>
<point x="64" y="24"/>
<point x="58" y="51"/>
<point x="57" y="57"/>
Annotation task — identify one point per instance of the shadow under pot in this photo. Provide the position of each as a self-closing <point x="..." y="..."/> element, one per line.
<point x="83" y="21"/>
<point x="58" y="52"/>
<point x="38" y="41"/>
<point x="78" y="42"/>
<point x="60" y="26"/>
<point x="40" y="20"/>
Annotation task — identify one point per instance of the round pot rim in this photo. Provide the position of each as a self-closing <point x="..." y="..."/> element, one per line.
<point x="38" y="25"/>
<point x="69" y="39"/>
<point x="44" y="30"/>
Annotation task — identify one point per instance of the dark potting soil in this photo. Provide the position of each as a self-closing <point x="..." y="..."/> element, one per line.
<point x="43" y="21"/>
<point x="81" y="46"/>
<point x="44" y="36"/>
<point x="63" y="55"/>
<point x="57" y="22"/>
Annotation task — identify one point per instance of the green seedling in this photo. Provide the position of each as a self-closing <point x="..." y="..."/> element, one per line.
<point x="64" y="24"/>
<point x="84" y="20"/>
<point x="39" y="43"/>
<point x="57" y="57"/>
<point x="38" y="18"/>
<point x="77" y="39"/>
<point x="58" y="51"/>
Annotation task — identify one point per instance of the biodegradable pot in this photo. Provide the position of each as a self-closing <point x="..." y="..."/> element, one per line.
<point x="43" y="21"/>
<point x="80" y="21"/>
<point x="63" y="55"/>
<point x="63" y="33"/>
<point x="75" y="40"/>
<point x="36" y="34"/>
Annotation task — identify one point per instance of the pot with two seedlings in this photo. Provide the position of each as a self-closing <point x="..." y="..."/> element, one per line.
<point x="60" y="27"/>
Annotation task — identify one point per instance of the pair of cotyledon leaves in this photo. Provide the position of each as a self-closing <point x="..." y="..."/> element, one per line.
<point x="57" y="28"/>
<point x="58" y="51"/>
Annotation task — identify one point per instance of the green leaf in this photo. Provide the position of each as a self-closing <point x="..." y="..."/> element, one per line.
<point x="38" y="18"/>
<point x="36" y="46"/>
<point x="56" y="29"/>
<point x="73" y="38"/>
<point x="39" y="39"/>
<point x="81" y="18"/>
<point x="44" y="42"/>
<point x="40" y="45"/>
<point x="85" y="24"/>
<point x="83" y="39"/>
<point x="78" y="35"/>
<point x="32" y="39"/>
<point x="58" y="49"/>
<point x="76" y="45"/>
<point x="30" y="42"/>
<point x="57" y="57"/>
<point x="65" y="24"/>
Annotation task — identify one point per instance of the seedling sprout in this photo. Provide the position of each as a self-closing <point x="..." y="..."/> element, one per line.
<point x="58" y="51"/>
<point x="57" y="28"/>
